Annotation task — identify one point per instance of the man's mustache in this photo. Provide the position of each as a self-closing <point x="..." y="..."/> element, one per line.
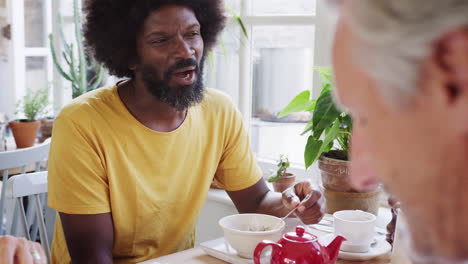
<point x="183" y="64"/>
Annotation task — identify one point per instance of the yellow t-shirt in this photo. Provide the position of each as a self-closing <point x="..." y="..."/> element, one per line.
<point x="103" y="160"/>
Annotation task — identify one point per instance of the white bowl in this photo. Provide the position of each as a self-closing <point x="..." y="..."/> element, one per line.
<point x="236" y="231"/>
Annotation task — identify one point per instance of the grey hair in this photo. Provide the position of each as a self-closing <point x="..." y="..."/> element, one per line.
<point x="396" y="35"/>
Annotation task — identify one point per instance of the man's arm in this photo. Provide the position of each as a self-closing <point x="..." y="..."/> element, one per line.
<point x="260" y="199"/>
<point x="90" y="238"/>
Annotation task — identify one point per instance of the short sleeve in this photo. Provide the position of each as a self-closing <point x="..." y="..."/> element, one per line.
<point x="77" y="178"/>
<point x="238" y="168"/>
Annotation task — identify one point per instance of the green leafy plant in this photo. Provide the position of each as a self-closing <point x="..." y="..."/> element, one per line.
<point x="329" y="128"/>
<point x="33" y="105"/>
<point x="283" y="165"/>
<point x="243" y="28"/>
<point x="80" y="70"/>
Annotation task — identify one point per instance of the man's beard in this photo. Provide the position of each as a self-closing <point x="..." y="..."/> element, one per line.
<point x="179" y="97"/>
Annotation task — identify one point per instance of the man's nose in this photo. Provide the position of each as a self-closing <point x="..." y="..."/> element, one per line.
<point x="363" y="176"/>
<point x="183" y="49"/>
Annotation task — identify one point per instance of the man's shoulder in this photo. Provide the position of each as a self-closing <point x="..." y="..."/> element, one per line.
<point x="217" y="99"/>
<point x="88" y="104"/>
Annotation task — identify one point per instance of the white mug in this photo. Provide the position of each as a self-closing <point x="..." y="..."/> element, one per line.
<point x="358" y="229"/>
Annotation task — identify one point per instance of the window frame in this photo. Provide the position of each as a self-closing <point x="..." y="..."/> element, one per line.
<point x="322" y="57"/>
<point x="322" y="41"/>
<point x="19" y="49"/>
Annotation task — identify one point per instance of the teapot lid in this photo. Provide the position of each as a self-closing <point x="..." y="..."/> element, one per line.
<point x="300" y="235"/>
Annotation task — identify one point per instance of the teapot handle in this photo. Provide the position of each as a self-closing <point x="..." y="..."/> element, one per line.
<point x="261" y="246"/>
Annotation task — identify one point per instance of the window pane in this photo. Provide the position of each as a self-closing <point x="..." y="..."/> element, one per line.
<point x="66" y="8"/>
<point x="283" y="7"/>
<point x="36" y="73"/>
<point x="34" y="26"/>
<point x="222" y="68"/>
<point x="283" y="59"/>
<point x="270" y="140"/>
<point x="234" y="5"/>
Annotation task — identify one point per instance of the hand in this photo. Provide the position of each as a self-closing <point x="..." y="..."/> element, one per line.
<point x="15" y="250"/>
<point x="310" y="211"/>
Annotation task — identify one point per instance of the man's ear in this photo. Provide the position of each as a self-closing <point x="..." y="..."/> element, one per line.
<point x="451" y="57"/>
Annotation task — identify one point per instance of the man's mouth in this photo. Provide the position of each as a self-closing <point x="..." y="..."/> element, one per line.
<point x="185" y="76"/>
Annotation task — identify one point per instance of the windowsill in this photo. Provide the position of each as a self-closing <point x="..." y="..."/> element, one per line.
<point x="258" y="122"/>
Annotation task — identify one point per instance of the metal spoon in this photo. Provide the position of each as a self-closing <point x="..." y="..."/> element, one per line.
<point x="293" y="210"/>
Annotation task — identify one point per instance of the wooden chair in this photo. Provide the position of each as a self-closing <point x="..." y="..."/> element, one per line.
<point x="20" y="158"/>
<point x="33" y="185"/>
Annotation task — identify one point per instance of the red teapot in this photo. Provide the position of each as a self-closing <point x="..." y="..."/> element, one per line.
<point x="300" y="247"/>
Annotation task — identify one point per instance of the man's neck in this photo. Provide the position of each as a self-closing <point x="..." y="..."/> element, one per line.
<point x="147" y="109"/>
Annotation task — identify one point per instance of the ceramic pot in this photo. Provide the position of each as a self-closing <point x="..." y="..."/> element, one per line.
<point x="338" y="191"/>
<point x="285" y="181"/>
<point x="335" y="174"/>
<point x="339" y="201"/>
<point x="25" y="133"/>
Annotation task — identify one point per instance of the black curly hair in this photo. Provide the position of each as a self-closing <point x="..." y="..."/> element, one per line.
<point x="112" y="26"/>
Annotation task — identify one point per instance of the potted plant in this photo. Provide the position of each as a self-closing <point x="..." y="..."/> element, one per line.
<point x="282" y="179"/>
<point x="32" y="106"/>
<point x="328" y="142"/>
<point x="82" y="72"/>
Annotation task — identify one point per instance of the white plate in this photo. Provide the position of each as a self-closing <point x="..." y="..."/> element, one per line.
<point x="380" y="248"/>
<point x="220" y="249"/>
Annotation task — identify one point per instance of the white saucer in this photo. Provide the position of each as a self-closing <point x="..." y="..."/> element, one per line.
<point x="381" y="247"/>
<point x="220" y="249"/>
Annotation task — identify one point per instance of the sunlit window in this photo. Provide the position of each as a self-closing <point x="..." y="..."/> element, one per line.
<point x="265" y="70"/>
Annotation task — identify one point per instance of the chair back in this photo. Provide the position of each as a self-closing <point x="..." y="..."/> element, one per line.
<point x="20" y="158"/>
<point x="23" y="157"/>
<point x="34" y="186"/>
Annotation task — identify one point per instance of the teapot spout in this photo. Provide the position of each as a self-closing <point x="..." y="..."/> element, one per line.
<point x="334" y="248"/>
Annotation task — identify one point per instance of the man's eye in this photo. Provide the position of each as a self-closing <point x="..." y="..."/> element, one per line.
<point x="194" y="33"/>
<point x="158" y="41"/>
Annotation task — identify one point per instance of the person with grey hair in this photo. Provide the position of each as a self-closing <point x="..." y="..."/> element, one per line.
<point x="401" y="69"/>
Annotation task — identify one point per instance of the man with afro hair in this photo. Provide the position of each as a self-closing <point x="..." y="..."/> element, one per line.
<point x="130" y="165"/>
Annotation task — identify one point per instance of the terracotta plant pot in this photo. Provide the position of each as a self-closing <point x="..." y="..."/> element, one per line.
<point x="338" y="201"/>
<point x="338" y="191"/>
<point x="335" y="174"/>
<point x="284" y="182"/>
<point x="25" y="133"/>
<point x="46" y="129"/>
